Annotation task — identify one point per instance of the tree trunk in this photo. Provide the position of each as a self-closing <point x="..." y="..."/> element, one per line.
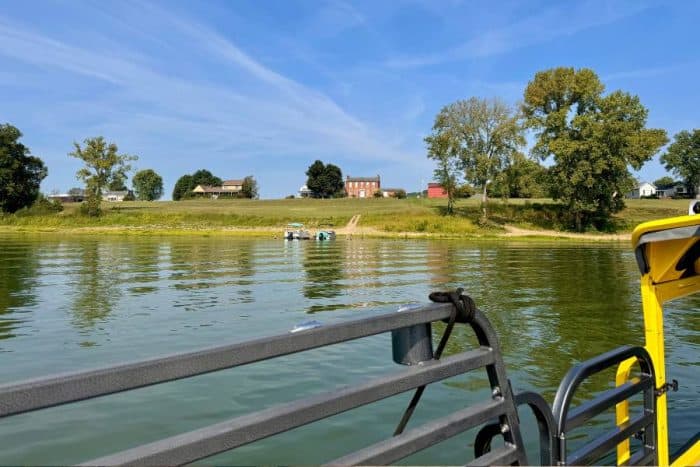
<point x="483" y="200"/>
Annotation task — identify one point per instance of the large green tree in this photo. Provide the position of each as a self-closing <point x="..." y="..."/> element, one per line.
<point x="148" y="185"/>
<point x="484" y="134"/>
<point x="324" y="180"/>
<point x="187" y="183"/>
<point x="20" y="173"/>
<point x="103" y="164"/>
<point x="664" y="182"/>
<point x="592" y="138"/>
<point x="522" y="178"/>
<point x="183" y="188"/>
<point x="448" y="168"/>
<point x="117" y="184"/>
<point x="683" y="159"/>
<point x="249" y="189"/>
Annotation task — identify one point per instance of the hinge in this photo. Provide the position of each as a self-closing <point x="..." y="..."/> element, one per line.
<point x="672" y="386"/>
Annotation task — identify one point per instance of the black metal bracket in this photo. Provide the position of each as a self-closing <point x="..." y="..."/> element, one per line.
<point x="672" y="386"/>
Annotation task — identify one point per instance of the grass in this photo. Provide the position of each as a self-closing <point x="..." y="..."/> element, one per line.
<point x="390" y="216"/>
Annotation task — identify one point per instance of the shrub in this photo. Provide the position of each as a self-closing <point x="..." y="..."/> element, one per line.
<point x="91" y="206"/>
<point x="41" y="206"/>
<point x="464" y="191"/>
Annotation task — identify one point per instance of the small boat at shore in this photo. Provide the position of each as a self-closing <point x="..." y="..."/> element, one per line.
<point x="325" y="235"/>
<point x="295" y="231"/>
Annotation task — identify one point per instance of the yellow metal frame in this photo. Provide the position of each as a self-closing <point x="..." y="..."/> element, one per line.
<point x="659" y="284"/>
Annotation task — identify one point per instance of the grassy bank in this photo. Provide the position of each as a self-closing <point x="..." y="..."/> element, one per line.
<point x="378" y="216"/>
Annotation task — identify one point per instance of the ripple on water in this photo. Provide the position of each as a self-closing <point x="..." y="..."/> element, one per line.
<point x="80" y="303"/>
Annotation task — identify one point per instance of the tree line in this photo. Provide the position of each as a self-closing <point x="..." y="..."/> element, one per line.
<point x="105" y="169"/>
<point x="588" y="140"/>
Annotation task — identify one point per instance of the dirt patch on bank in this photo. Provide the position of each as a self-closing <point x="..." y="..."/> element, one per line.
<point x="512" y="231"/>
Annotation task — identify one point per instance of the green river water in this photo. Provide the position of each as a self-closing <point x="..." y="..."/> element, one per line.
<point x="84" y="302"/>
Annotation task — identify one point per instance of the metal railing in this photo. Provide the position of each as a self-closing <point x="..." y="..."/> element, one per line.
<point x="643" y="426"/>
<point x="51" y="391"/>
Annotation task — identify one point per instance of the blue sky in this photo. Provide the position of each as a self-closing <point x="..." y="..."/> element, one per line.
<point x="266" y="87"/>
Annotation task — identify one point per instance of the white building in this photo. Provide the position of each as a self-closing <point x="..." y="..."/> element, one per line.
<point x="114" y="196"/>
<point x="643" y="189"/>
<point x="304" y="192"/>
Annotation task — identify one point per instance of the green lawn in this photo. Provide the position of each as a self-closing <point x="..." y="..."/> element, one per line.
<point x="389" y="215"/>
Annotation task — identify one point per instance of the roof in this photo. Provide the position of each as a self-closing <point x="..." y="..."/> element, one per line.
<point x="208" y="189"/>
<point x="434" y="185"/>
<point x="392" y="189"/>
<point x="646" y="183"/>
<point x="114" y="193"/>
<point x="232" y="182"/>
<point x="363" y="179"/>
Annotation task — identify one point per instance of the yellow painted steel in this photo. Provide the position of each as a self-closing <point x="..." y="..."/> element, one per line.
<point x="663" y="224"/>
<point x="654" y="344"/>
<point x="690" y="457"/>
<point x="622" y="410"/>
<point x="664" y="280"/>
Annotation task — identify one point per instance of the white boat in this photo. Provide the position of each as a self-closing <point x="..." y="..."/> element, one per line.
<point x="295" y="231"/>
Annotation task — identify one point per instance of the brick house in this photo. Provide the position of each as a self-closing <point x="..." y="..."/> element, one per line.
<point x="361" y="187"/>
<point x="435" y="190"/>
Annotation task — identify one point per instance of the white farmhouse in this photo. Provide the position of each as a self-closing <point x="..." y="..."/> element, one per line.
<point x="643" y="189"/>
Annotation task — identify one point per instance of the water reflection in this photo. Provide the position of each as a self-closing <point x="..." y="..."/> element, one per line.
<point x="96" y="284"/>
<point x="541" y="300"/>
<point x="552" y="306"/>
<point x="199" y="269"/>
<point x="18" y="269"/>
<point x="324" y="269"/>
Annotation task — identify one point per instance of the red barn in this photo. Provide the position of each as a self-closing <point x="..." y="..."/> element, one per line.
<point x="435" y="190"/>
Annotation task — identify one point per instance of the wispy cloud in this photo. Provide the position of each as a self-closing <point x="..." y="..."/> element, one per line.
<point x="260" y="111"/>
<point x="565" y="19"/>
<point x="644" y="72"/>
<point x="335" y="17"/>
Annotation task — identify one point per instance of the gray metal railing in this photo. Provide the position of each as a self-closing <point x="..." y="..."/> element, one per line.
<point x="41" y="393"/>
<point x="643" y="426"/>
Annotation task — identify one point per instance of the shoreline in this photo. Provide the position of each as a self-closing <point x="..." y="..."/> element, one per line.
<point x="509" y="233"/>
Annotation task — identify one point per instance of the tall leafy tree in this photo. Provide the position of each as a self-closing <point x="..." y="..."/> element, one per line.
<point x="103" y="164"/>
<point x="204" y="177"/>
<point x="324" y="180"/>
<point x="448" y="170"/>
<point x="683" y="158"/>
<point x="484" y="134"/>
<point x="183" y="188"/>
<point x="249" y="188"/>
<point x="664" y="182"/>
<point x="117" y="184"/>
<point x="148" y="185"/>
<point x="20" y="173"/>
<point x="592" y="138"/>
<point x="522" y="178"/>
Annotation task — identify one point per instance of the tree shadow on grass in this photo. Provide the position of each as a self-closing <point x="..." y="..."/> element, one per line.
<point x="131" y="208"/>
<point x="549" y="216"/>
